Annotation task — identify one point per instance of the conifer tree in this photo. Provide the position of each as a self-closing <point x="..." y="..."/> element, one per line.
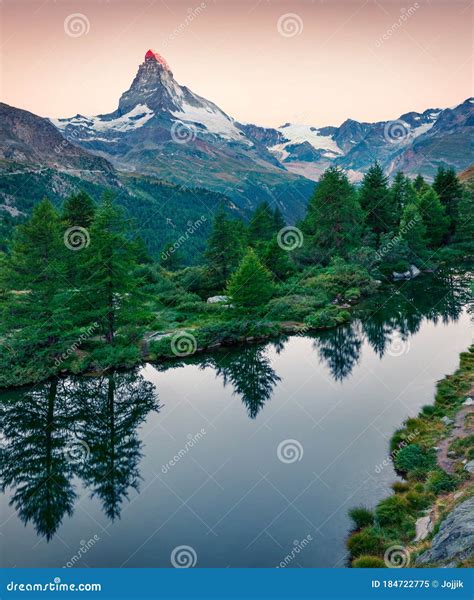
<point x="465" y="226"/>
<point x="419" y="183"/>
<point x="225" y="247"/>
<point x="39" y="310"/>
<point x="402" y="192"/>
<point x="449" y="190"/>
<point x="111" y="286"/>
<point x="251" y="285"/>
<point x="78" y="210"/>
<point x="276" y="260"/>
<point x="262" y="224"/>
<point x="413" y="230"/>
<point x="434" y="217"/>
<point x="334" y="218"/>
<point x="376" y="201"/>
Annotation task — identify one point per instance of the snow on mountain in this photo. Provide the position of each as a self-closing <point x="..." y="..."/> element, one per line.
<point x="298" y="134"/>
<point x="214" y="121"/>
<point x="135" y="118"/>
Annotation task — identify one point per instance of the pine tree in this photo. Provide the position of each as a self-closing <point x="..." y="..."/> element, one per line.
<point x="413" y="230"/>
<point x="170" y="258"/>
<point x="334" y="218"/>
<point x="276" y="260"/>
<point x="449" y="190"/>
<point x="434" y="217"/>
<point x="111" y="285"/>
<point x="251" y="285"/>
<point x="402" y="192"/>
<point x="419" y="183"/>
<point x="38" y="312"/>
<point x="465" y="226"/>
<point x="376" y="201"/>
<point x="278" y="220"/>
<point x="225" y="247"/>
<point x="78" y="210"/>
<point x="262" y="224"/>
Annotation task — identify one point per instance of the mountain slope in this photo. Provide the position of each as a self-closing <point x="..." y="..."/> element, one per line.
<point x="164" y="129"/>
<point x="32" y="141"/>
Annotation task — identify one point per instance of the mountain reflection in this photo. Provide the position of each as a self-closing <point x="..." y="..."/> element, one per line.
<point x="87" y="427"/>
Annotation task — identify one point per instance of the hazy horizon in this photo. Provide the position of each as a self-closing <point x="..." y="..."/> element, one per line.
<point x="265" y="63"/>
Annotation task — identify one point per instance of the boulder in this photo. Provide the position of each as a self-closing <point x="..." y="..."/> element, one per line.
<point x="217" y="299"/>
<point x="469" y="467"/>
<point x="455" y="539"/>
<point x="447" y="421"/>
<point x="424" y="526"/>
<point x="468" y="401"/>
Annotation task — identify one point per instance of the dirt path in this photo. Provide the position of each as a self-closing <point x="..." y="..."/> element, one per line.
<point x="459" y="430"/>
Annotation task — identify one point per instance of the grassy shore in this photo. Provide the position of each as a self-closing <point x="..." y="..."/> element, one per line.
<point x="417" y="452"/>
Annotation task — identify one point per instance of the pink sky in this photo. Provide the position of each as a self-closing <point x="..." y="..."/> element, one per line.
<point x="337" y="65"/>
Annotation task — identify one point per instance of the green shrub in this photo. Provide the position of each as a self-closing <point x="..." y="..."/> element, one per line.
<point x="292" y="308"/>
<point x="327" y="318"/>
<point x="368" y="562"/>
<point x="413" y="459"/>
<point x="352" y="295"/>
<point x="400" y="487"/>
<point x="368" y="541"/>
<point x="440" y="481"/>
<point x="418" y="501"/>
<point x="361" y="516"/>
<point x="393" y="511"/>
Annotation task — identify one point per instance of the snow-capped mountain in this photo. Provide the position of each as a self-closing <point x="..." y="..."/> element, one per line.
<point x="163" y="128"/>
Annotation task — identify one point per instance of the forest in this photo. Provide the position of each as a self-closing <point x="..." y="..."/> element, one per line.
<point x="80" y="290"/>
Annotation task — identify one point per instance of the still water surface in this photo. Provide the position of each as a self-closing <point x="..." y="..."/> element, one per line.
<point x="245" y="456"/>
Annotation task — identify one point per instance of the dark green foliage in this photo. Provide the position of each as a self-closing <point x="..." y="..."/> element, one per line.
<point x="110" y="284"/>
<point x="368" y="562"/>
<point x="262" y="225"/>
<point x="38" y="310"/>
<point x="439" y="481"/>
<point x="413" y="458"/>
<point x="413" y="231"/>
<point x="465" y="223"/>
<point x="449" y="190"/>
<point x="294" y="307"/>
<point x="333" y="222"/>
<point x="361" y="516"/>
<point x="327" y="318"/>
<point x="276" y="260"/>
<point x="251" y="285"/>
<point x="376" y="202"/>
<point x="434" y="218"/>
<point x="225" y="248"/>
<point x="368" y="541"/>
<point x="420" y="184"/>
<point x="170" y="258"/>
<point x="394" y="511"/>
<point x="78" y="210"/>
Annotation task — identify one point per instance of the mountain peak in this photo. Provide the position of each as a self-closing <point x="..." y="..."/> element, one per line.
<point x="152" y="55"/>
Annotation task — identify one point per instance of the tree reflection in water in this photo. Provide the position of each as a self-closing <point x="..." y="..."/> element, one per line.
<point x="87" y="427"/>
